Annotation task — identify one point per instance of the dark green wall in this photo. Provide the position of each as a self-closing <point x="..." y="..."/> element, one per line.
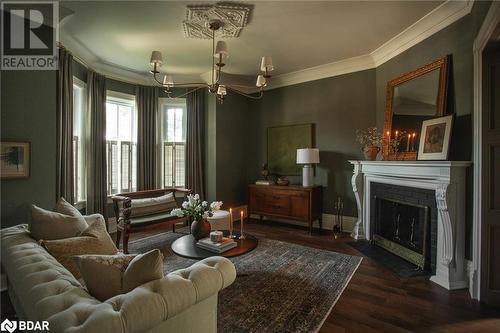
<point x="337" y="106"/>
<point x="28" y="113"/>
<point x="232" y="142"/>
<point x="457" y="40"/>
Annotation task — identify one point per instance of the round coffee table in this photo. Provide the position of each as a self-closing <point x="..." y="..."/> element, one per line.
<point x="186" y="247"/>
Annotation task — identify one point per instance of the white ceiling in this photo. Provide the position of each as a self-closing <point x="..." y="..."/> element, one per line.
<point x="297" y="34"/>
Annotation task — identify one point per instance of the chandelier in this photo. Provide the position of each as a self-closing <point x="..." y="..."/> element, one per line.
<point x="215" y="86"/>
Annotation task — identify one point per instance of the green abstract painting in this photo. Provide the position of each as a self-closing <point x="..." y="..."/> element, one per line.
<point x="282" y="145"/>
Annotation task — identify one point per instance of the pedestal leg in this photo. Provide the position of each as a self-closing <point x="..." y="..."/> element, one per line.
<point x="357" y="187"/>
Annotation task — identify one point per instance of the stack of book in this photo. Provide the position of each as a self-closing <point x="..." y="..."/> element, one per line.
<point x="207" y="244"/>
<point x="264" y="182"/>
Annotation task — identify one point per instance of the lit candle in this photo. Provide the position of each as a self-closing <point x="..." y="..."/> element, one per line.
<point x="388" y="142"/>
<point x="396" y="146"/>
<point x="413" y="142"/>
<point x="230" y="222"/>
<point x="408" y="143"/>
<point x="241" y="225"/>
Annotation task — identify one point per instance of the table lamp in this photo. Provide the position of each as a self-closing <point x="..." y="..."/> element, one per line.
<point x="307" y="156"/>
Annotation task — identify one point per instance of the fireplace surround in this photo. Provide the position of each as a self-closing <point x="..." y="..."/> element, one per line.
<point x="445" y="181"/>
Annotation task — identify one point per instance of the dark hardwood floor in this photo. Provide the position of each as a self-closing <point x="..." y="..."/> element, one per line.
<point x="377" y="300"/>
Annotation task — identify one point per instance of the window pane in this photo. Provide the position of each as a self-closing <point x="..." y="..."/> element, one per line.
<point x="125" y="122"/>
<point x="134" y="167"/>
<point x="111" y="121"/>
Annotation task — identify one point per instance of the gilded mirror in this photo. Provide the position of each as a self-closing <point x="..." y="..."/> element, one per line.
<point x="410" y="99"/>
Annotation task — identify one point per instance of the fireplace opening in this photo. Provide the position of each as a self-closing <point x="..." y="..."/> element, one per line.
<point x="403" y="229"/>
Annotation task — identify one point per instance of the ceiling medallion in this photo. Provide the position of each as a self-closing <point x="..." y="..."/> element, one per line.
<point x="233" y="17"/>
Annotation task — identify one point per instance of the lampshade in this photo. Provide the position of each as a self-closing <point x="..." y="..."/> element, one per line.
<point x="221" y="49"/>
<point x="266" y="64"/>
<point x="221" y="90"/>
<point x="168" y="80"/>
<point x="156" y="58"/>
<point x="261" y="81"/>
<point x="308" y="156"/>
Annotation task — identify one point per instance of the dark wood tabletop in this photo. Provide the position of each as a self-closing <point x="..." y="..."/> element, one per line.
<point x="186" y="247"/>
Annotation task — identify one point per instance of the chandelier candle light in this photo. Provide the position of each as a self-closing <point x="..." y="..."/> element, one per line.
<point x="231" y="224"/>
<point x="219" y="54"/>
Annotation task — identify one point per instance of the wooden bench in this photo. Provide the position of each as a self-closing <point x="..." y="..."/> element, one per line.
<point x="140" y="211"/>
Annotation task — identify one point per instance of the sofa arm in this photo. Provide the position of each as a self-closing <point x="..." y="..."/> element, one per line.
<point x="157" y="301"/>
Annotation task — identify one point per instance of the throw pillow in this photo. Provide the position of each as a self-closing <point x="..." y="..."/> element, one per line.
<point x="93" y="240"/>
<point x="49" y="225"/>
<point x="64" y="207"/>
<point x="107" y="276"/>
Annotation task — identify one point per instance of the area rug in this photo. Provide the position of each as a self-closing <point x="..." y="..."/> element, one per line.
<point x="280" y="287"/>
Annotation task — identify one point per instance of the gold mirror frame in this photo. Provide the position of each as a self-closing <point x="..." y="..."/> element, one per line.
<point x="440" y="64"/>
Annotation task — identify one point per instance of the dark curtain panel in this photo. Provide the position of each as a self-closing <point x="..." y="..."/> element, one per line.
<point x="195" y="103"/>
<point x="147" y="110"/>
<point x="64" y="125"/>
<point x="96" y="144"/>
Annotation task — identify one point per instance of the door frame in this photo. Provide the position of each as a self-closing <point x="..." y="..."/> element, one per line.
<point x="490" y="22"/>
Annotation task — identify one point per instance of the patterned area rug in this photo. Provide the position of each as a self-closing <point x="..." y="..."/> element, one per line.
<point x="280" y="287"/>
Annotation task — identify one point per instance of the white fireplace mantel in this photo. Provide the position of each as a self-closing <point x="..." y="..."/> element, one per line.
<point x="447" y="179"/>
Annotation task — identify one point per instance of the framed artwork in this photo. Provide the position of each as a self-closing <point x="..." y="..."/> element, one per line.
<point x="435" y="138"/>
<point x="282" y="145"/>
<point x="15" y="160"/>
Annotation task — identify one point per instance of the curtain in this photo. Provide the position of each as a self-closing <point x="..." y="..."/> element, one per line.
<point x="147" y="109"/>
<point x="64" y="131"/>
<point x="96" y="144"/>
<point x="195" y="103"/>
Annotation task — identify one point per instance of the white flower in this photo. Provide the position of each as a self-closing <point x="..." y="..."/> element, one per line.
<point x="216" y="205"/>
<point x="197" y="197"/>
<point x="204" y="204"/>
<point x="206" y="215"/>
<point x="185" y="205"/>
<point x="177" y="212"/>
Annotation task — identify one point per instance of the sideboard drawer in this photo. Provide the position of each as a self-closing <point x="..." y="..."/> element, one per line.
<point x="289" y="202"/>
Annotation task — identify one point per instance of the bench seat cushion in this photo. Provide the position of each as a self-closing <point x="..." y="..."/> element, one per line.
<point x="151" y="219"/>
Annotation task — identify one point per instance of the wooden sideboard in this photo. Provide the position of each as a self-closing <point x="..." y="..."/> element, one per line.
<point x="286" y="202"/>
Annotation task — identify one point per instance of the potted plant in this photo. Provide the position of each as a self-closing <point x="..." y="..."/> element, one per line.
<point x="370" y="141"/>
<point x="198" y="211"/>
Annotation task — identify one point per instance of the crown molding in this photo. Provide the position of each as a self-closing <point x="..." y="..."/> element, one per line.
<point x="436" y="20"/>
<point x="346" y="66"/>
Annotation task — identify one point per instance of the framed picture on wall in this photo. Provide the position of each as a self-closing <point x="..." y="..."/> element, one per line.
<point x="282" y="145"/>
<point x="435" y="139"/>
<point x="15" y="160"/>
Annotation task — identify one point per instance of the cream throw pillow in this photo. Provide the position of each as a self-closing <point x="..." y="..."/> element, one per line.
<point x="64" y="207"/>
<point x="93" y="240"/>
<point x="49" y="225"/>
<point x="107" y="276"/>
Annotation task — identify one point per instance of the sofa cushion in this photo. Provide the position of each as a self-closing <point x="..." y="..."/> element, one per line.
<point x="93" y="240"/>
<point x="53" y="225"/>
<point x="106" y="276"/>
<point x="149" y="206"/>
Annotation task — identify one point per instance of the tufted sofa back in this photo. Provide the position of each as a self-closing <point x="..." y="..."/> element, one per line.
<point x="45" y="290"/>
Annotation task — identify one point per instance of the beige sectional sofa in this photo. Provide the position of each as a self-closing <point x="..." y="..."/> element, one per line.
<point x="42" y="289"/>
